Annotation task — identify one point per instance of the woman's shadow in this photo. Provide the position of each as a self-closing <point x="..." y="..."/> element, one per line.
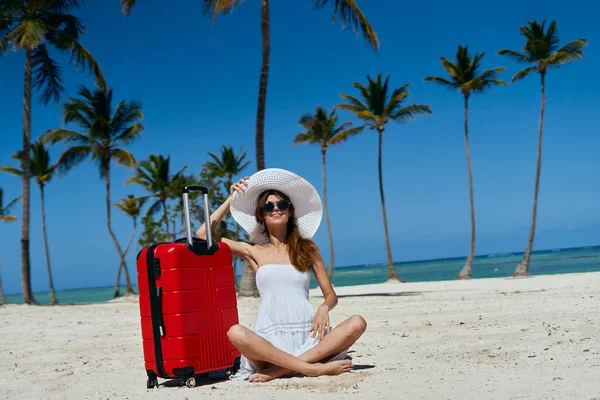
<point x="212" y="378"/>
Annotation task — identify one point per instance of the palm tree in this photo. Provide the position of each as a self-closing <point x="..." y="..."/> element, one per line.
<point x="346" y="10"/>
<point x="175" y="192"/>
<point x="228" y="165"/>
<point x="464" y="76"/>
<point x="131" y="206"/>
<point x="154" y="175"/>
<point x="542" y="52"/>
<point x="43" y="172"/>
<point x="321" y="128"/>
<point x="105" y="132"/>
<point x="35" y="27"/>
<point x="6" y="217"/>
<point x="376" y="111"/>
<point x="349" y="14"/>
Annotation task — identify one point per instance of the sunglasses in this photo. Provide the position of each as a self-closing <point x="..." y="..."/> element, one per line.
<point x="282" y="205"/>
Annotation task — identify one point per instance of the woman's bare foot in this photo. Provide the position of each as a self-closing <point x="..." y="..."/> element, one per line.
<point x="332" y="368"/>
<point x="268" y="374"/>
<point x="329" y="368"/>
<point x="261" y="377"/>
<point x="336" y="367"/>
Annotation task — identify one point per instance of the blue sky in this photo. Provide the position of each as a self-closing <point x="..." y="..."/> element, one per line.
<point x="198" y="82"/>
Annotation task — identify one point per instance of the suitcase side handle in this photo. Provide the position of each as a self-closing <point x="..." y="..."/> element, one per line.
<point x="186" y="211"/>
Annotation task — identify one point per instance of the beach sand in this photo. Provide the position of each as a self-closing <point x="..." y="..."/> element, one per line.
<point x="507" y="338"/>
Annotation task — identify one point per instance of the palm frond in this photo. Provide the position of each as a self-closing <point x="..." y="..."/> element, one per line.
<point x="11" y="170"/>
<point x="350" y="107"/>
<point x="130" y="134"/>
<point x="395" y="101"/>
<point x="61" y="36"/>
<point x="411" y="112"/>
<point x="127" y="5"/>
<point x="124" y="158"/>
<point x="353" y="100"/>
<point x="11" y="203"/>
<point x="453" y="70"/>
<point x="179" y="173"/>
<point x="219" y="7"/>
<point x="523" y="73"/>
<point x="401" y="91"/>
<point x="306" y="120"/>
<point x="4" y="210"/>
<point x="64" y="5"/>
<point x="478" y="85"/>
<point x="570" y="52"/>
<point x="72" y="157"/>
<point x="28" y="34"/>
<point x="126" y="114"/>
<point x="442" y="82"/>
<point x="365" y="115"/>
<point x="306" y="137"/>
<point x="344" y="135"/>
<point x="56" y="135"/>
<point x="350" y="14"/>
<point x="515" y="56"/>
<point x="365" y="92"/>
<point x="46" y="74"/>
<point x="491" y="73"/>
<point x="154" y="208"/>
<point x="80" y="112"/>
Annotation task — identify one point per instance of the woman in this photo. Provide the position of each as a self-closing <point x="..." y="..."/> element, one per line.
<point x="281" y="212"/>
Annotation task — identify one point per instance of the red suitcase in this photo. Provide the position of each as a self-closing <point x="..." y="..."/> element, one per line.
<point x="187" y="303"/>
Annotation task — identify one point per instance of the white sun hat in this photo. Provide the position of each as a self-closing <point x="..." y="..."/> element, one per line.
<point x="308" y="208"/>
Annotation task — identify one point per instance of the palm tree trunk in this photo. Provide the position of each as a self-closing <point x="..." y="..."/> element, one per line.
<point x="465" y="272"/>
<point x="117" y="291"/>
<point x="174" y="228"/>
<point x="523" y="267"/>
<point x="128" y="287"/>
<point x="26" y="168"/>
<point x="2" y="296"/>
<point x="248" y="281"/>
<point x="165" y="216"/>
<point x="331" y="260"/>
<point x="262" y="87"/>
<point x="392" y="275"/>
<point x="53" y="299"/>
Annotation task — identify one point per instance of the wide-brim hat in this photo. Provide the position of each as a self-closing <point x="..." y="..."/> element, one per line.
<point x="308" y="208"/>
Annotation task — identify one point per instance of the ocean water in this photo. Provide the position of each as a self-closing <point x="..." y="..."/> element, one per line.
<point x="557" y="261"/>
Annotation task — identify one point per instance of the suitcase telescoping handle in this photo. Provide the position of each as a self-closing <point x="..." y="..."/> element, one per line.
<point x="186" y="211"/>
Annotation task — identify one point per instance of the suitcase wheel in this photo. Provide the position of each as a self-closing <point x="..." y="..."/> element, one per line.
<point x="234" y="369"/>
<point x="151" y="383"/>
<point x="190" y="382"/>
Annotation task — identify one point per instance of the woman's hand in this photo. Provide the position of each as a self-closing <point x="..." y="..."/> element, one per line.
<point x="320" y="324"/>
<point x="240" y="186"/>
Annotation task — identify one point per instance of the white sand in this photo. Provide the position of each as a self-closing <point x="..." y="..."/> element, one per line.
<point x="531" y="338"/>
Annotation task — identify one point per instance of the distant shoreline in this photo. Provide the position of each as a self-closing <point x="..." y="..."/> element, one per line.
<point x="427" y="270"/>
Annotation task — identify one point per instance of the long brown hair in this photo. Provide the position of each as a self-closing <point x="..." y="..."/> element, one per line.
<point x="303" y="252"/>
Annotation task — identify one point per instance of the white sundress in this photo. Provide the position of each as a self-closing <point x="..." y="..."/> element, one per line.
<point x="285" y="315"/>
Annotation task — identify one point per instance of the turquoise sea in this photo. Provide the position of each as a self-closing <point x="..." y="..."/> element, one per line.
<point x="557" y="261"/>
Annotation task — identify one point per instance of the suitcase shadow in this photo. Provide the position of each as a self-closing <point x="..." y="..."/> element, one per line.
<point x="201" y="380"/>
<point x="358" y="367"/>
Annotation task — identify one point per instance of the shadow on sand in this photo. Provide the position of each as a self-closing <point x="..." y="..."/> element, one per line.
<point x="394" y="294"/>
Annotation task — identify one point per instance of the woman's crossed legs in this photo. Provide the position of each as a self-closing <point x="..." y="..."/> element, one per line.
<point x="274" y="363"/>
